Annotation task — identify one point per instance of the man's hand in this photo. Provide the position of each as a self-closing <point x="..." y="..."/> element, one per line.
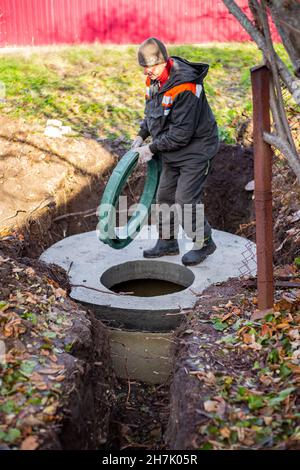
<point x="137" y="142"/>
<point x="145" y="154"/>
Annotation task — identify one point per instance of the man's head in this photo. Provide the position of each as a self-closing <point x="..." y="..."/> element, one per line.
<point x="152" y="56"/>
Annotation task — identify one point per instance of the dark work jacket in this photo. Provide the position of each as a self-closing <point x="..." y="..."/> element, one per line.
<point x="178" y="116"/>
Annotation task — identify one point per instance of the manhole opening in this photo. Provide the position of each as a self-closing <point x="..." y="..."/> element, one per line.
<point x="147" y="278"/>
<point x="147" y="287"/>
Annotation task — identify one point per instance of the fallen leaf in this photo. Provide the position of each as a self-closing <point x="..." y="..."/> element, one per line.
<point x="225" y="432"/>
<point x="265" y="330"/>
<point x="228" y="315"/>
<point x="60" y="378"/>
<point x="14" y="328"/>
<point x="4" y="306"/>
<point x="294" y="334"/>
<point x="255" y="346"/>
<point x="51" y="409"/>
<point x="53" y="370"/>
<point x="268" y="420"/>
<point x="260" y="314"/>
<point x="60" y="292"/>
<point x="38" y="382"/>
<point x="30" y="443"/>
<point x="217" y="309"/>
<point x="286" y="304"/>
<point x="241" y="434"/>
<point x="283" y="326"/>
<point x="236" y="311"/>
<point x="31" y="298"/>
<point x="210" y="406"/>
<point x="17" y="270"/>
<point x="41" y="386"/>
<point x="44" y="352"/>
<point x="266" y="380"/>
<point x="31" y="421"/>
<point x="217" y="406"/>
<point x="30" y="271"/>
<point x="248" y="339"/>
<point x="210" y="378"/>
<point x="294" y="368"/>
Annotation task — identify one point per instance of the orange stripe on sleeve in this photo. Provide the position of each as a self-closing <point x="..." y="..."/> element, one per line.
<point x="180" y="88"/>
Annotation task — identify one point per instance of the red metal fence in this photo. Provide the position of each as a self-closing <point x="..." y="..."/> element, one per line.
<point x="41" y="22"/>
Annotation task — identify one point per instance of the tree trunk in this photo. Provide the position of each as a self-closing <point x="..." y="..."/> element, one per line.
<point x="286" y="16"/>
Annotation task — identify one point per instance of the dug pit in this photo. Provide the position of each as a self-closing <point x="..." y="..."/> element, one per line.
<point x="95" y="269"/>
<point x="227" y="205"/>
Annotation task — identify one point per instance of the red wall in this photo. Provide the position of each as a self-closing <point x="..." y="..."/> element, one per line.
<point x="38" y="22"/>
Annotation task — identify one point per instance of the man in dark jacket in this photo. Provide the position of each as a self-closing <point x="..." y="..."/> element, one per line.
<point x="185" y="136"/>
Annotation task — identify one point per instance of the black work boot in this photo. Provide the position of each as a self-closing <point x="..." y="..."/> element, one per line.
<point x="162" y="248"/>
<point x="196" y="256"/>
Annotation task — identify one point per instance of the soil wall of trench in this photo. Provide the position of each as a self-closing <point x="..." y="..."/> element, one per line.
<point x="228" y="206"/>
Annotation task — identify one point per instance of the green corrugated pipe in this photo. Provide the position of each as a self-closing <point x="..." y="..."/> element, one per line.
<point x="117" y="181"/>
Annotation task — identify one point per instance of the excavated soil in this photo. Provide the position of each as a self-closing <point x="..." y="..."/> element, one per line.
<point x="43" y="178"/>
<point x="227" y="204"/>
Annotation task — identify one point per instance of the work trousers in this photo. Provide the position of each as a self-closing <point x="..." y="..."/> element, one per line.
<point x="180" y="188"/>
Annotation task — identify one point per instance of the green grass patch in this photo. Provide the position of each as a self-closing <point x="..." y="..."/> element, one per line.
<point x="100" y="89"/>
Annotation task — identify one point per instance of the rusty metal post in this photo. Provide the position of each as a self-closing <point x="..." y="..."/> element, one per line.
<point x="260" y="78"/>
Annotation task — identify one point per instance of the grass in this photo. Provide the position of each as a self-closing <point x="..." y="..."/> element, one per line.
<point x="100" y="90"/>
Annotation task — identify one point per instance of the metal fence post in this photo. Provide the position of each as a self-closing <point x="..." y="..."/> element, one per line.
<point x="260" y="78"/>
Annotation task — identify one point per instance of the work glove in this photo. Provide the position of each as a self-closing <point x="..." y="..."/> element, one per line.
<point x="137" y="142"/>
<point x="145" y="154"/>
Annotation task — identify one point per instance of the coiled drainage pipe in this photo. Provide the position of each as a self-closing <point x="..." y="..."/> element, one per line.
<point x="107" y="214"/>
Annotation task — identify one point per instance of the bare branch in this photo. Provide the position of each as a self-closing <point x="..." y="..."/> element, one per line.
<point x="262" y="36"/>
<point x="296" y="30"/>
<point x="74" y="214"/>
<point x="102" y="291"/>
<point x="291" y="82"/>
<point x="255" y="10"/>
<point x="284" y="148"/>
<point x="283" y="28"/>
<point x="275" y="113"/>
<point x="272" y="63"/>
<point x="246" y="23"/>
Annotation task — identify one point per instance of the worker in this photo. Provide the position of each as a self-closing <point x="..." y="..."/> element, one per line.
<point x="185" y="136"/>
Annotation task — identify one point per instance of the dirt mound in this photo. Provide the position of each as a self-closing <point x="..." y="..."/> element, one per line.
<point x="40" y="176"/>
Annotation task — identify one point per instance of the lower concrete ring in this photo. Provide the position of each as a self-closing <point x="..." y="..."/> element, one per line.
<point x="87" y="261"/>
